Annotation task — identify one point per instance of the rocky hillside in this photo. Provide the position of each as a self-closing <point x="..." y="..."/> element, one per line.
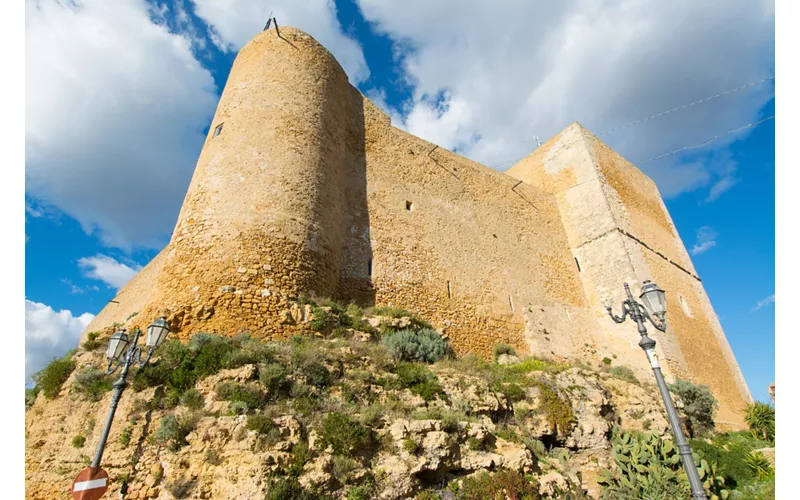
<point x="373" y="405"/>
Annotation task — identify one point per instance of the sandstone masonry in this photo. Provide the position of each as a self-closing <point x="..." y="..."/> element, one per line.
<point x="303" y="186"/>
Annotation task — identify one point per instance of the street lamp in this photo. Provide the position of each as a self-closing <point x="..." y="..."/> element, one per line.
<point x="655" y="305"/>
<point x="124" y="354"/>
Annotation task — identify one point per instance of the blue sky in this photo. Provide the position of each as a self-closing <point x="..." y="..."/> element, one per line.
<point x="109" y="155"/>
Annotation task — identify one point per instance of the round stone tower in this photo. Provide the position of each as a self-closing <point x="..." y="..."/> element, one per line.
<point x="262" y="220"/>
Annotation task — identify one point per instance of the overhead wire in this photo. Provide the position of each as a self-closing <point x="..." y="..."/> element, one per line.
<point x="642" y="120"/>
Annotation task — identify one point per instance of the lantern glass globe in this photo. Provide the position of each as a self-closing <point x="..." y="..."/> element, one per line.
<point x="157" y="333"/>
<point x="117" y="344"/>
<point x="654" y="299"/>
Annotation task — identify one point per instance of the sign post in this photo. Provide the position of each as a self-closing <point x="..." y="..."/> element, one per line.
<point x="91" y="484"/>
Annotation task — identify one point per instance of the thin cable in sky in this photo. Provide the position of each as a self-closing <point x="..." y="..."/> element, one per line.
<point x="636" y="122"/>
<point x="707" y="141"/>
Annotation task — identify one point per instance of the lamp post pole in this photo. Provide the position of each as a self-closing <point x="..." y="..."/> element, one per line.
<point x="656" y="305"/>
<point x="117" y="352"/>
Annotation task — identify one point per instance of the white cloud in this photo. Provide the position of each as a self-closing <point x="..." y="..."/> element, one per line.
<point x="699" y="248"/>
<point x="763" y="302"/>
<point x="489" y="76"/>
<point x="115" y="107"/>
<point x="706" y="239"/>
<point x="237" y="21"/>
<point x="113" y="273"/>
<point x="49" y="334"/>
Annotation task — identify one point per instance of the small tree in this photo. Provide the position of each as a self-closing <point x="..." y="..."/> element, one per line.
<point x="699" y="405"/>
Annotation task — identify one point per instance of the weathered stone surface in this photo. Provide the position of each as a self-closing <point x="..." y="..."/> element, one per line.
<point x="308" y="188"/>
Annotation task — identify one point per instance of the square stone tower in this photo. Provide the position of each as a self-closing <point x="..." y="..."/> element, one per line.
<point x="620" y="231"/>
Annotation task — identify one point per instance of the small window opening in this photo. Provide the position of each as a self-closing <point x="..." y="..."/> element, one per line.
<point x="217" y="130"/>
<point x="511" y="303"/>
<point x="449" y="291"/>
<point x="409" y="206"/>
<point x="369" y="267"/>
<point x="578" y="264"/>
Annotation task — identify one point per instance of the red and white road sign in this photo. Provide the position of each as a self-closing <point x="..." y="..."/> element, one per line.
<point x="90" y="484"/>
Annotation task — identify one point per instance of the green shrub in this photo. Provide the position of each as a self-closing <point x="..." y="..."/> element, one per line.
<point x="363" y="491"/>
<point x="410" y="445"/>
<point x="475" y="444"/>
<point x="730" y="451"/>
<point x="173" y="430"/>
<point x="262" y="424"/>
<point x="287" y="488"/>
<point x="356" y="315"/>
<point x="53" y="376"/>
<point x="321" y="319"/>
<point x="300" y="457"/>
<point x="502" y="484"/>
<point x="501" y="349"/>
<point x="125" y="436"/>
<point x="192" y="399"/>
<point x="419" y="380"/>
<point x="607" y="361"/>
<point x="30" y="396"/>
<point x="273" y="377"/>
<point x="699" y="406"/>
<point x="392" y="312"/>
<point x="624" y="373"/>
<point x="339" y="332"/>
<point x="557" y="409"/>
<point x="424" y="345"/>
<point x="181" y="366"/>
<point x="247" y="394"/>
<point x="238" y="408"/>
<point x="343" y="468"/>
<point x="759" y="464"/>
<point x="318" y="376"/>
<point x="91" y="342"/>
<point x="92" y="383"/>
<point x="760" y="418"/>
<point x="344" y="434"/>
<point x="512" y="392"/>
<point x="78" y="441"/>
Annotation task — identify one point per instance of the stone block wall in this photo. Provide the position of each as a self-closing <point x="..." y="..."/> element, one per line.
<point x="620" y="231"/>
<point x="303" y="186"/>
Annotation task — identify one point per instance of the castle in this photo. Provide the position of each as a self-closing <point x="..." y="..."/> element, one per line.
<point x="303" y="186"/>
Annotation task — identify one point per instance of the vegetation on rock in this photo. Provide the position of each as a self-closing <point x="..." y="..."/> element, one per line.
<point x="92" y="383"/>
<point x="699" y="405"/>
<point x="760" y="417"/>
<point x="53" y="376"/>
<point x="424" y="345"/>
<point x="345" y="415"/>
<point x="501" y="349"/>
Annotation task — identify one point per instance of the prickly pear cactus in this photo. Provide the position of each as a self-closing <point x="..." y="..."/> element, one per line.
<point x="713" y="484"/>
<point x="650" y="468"/>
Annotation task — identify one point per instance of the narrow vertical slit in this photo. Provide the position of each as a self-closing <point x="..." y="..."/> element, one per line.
<point x="449" y="291"/>
<point x="578" y="264"/>
<point x="369" y="267"/>
<point x="511" y="303"/>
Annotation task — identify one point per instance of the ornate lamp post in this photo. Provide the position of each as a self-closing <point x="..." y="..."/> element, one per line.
<point x="117" y="352"/>
<point x="655" y="305"/>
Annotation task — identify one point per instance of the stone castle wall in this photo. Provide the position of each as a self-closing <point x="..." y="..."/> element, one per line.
<point x="308" y="188"/>
<point x="620" y="231"/>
